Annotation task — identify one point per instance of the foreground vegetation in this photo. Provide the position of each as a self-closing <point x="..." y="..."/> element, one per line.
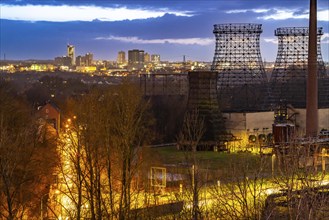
<point x="99" y="167"/>
<point x="28" y="157"/>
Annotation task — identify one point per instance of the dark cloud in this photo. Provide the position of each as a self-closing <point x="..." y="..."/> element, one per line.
<point x="45" y="40"/>
<point x="179" y="4"/>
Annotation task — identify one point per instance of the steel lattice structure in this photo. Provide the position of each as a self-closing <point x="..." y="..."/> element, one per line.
<point x="202" y="96"/>
<point x="164" y="84"/>
<point x="291" y="60"/>
<point x="241" y="79"/>
<point x="288" y="79"/>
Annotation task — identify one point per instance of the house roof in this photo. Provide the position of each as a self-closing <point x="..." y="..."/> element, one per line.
<point x="51" y="104"/>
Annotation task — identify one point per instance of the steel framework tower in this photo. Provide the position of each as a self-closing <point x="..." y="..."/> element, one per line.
<point x="241" y="74"/>
<point x="288" y="79"/>
<point x="203" y="97"/>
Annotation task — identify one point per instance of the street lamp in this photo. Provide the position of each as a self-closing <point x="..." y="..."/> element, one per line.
<point x="273" y="164"/>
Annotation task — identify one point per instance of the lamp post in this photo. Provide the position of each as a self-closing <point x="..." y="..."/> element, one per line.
<point x="273" y="164"/>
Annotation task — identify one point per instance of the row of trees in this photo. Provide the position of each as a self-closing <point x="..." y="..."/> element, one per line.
<point x="103" y="171"/>
<point x="102" y="152"/>
<point x="27" y="157"/>
<point x="287" y="185"/>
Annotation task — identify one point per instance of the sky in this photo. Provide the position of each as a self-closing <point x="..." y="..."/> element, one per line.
<point x="41" y="29"/>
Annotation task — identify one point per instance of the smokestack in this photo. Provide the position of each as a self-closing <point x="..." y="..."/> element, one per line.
<point x="312" y="78"/>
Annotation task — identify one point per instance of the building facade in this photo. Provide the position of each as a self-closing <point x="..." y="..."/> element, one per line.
<point x="71" y="53"/>
<point x="155" y="58"/>
<point x="121" y="59"/>
<point x="136" y="59"/>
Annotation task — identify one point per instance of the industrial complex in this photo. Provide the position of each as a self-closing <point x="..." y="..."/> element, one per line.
<point x="249" y="100"/>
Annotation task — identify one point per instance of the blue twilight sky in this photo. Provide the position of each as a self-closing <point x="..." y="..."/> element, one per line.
<point x="40" y="29"/>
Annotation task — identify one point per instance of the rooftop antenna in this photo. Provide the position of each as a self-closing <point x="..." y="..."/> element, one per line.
<point x="184" y="64"/>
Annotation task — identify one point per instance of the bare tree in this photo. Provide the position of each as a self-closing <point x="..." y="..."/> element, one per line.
<point x="107" y="136"/>
<point x="241" y="195"/>
<point x="25" y="151"/>
<point x="189" y="138"/>
<point x="128" y="133"/>
<point x="304" y="195"/>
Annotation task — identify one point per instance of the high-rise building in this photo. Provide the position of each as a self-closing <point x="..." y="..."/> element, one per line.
<point x="155" y="58"/>
<point x="147" y="58"/>
<point x="58" y="61"/>
<point x="86" y="60"/>
<point x="63" y="61"/>
<point x="121" y="57"/>
<point x="135" y="56"/>
<point x="80" y="61"/>
<point x="67" y="61"/>
<point x="89" y="58"/>
<point x="136" y="59"/>
<point x="71" y="53"/>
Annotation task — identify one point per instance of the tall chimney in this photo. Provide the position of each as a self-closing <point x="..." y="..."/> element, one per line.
<point x="312" y="79"/>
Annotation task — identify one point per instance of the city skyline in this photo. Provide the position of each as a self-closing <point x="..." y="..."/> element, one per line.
<point x="171" y="28"/>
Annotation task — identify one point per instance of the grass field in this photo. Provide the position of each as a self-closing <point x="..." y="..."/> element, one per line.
<point x="206" y="159"/>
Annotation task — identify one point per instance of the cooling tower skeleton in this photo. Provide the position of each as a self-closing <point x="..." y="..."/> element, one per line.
<point x="241" y="74"/>
<point x="203" y="97"/>
<point x="291" y="61"/>
<point x="288" y="80"/>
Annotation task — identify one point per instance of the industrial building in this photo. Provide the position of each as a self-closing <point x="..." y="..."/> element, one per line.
<point x="247" y="100"/>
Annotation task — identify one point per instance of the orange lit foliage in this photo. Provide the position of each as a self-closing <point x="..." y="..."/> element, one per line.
<point x="26" y="158"/>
